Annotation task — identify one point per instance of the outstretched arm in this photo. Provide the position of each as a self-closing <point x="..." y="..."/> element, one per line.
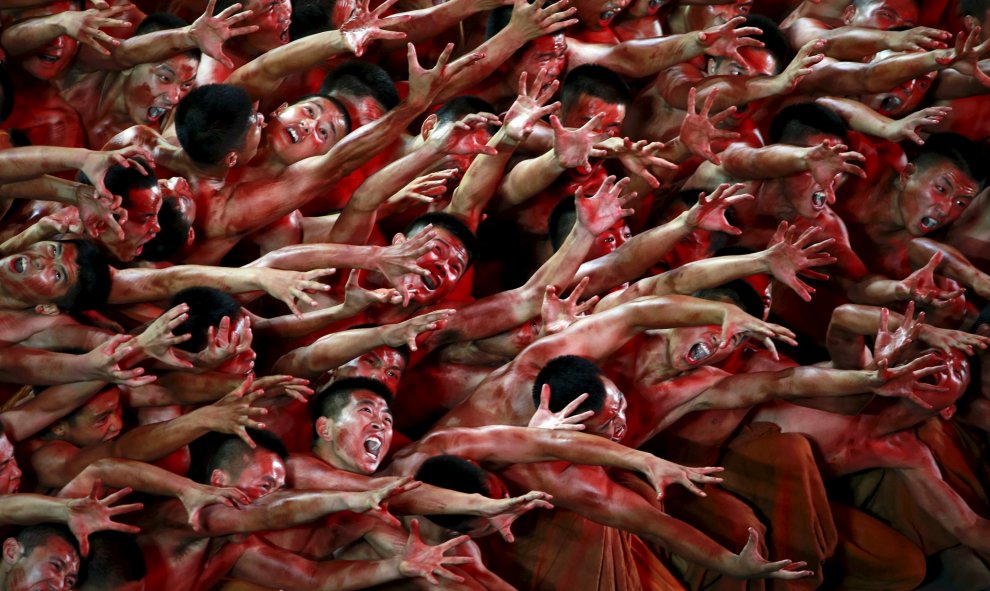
<point x="852" y="43"/>
<point x="954" y="264"/>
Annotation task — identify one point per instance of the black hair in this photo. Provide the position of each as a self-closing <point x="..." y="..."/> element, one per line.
<point x="738" y="293"/>
<point x="460" y="107"/>
<point x="335" y="396"/>
<point x="160" y="21"/>
<point x="207" y="307"/>
<point x="562" y="219"/>
<point x="33" y="536"/>
<point x="596" y="81"/>
<point x="974" y="8"/>
<point x="232" y="454"/>
<point x="570" y="376"/>
<point x="454" y="473"/>
<point x="121" y="180"/>
<point x="771" y="37"/>
<point x="7" y="88"/>
<point x="359" y="78"/>
<point x="336" y="102"/>
<point x="92" y="287"/>
<point x="793" y="123"/>
<point x="983" y="318"/>
<point x="115" y="559"/>
<point x="452" y="224"/>
<point x="959" y="150"/>
<point x="173" y="234"/>
<point x="310" y="17"/>
<point x="212" y="121"/>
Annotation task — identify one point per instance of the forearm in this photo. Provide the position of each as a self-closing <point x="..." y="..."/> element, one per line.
<point x="429" y="22"/>
<point x="149" y="48"/>
<point x="306" y="257"/>
<point x="874" y="290"/>
<point x="851" y="43"/>
<point x="28" y="419"/>
<point x="954" y="264"/>
<point x="642" y="57"/>
<point x="732" y="91"/>
<point x="184" y="388"/>
<point x="150" y="443"/>
<point x="18" y="164"/>
<point x="117" y="473"/>
<point x="31" y="34"/>
<point x="291" y="326"/>
<point x="274" y="567"/>
<point x="34" y="233"/>
<point x="265" y="73"/>
<point x="849" y="78"/>
<point x="748" y="163"/>
<point x="528" y="179"/>
<point x="481" y="180"/>
<point x="31" y="509"/>
<point x="496" y="51"/>
<point x="32" y="366"/>
<point x="45" y="188"/>
<point x="329" y="352"/>
<point x="146" y="285"/>
<point x="431" y="500"/>
<point x="860" y="117"/>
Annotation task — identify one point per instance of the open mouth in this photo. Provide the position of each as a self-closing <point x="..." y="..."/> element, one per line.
<point x="429" y="282"/>
<point x="818" y="199"/>
<point x="293" y="135"/>
<point x="928" y="223"/>
<point x="19" y="264"/>
<point x="373" y="446"/>
<point x="890" y="104"/>
<point x="50" y="59"/>
<point x="699" y="352"/>
<point x="283" y="36"/>
<point x="156" y="113"/>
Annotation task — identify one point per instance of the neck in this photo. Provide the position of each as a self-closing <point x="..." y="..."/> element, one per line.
<point x="884" y="204"/>
<point x="322" y="451"/>
<point x="774" y="203"/>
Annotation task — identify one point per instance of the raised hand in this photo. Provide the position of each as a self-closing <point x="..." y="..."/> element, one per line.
<point x="698" y="130"/>
<point x="826" y="162"/>
<point x="559" y="313"/>
<point x="889" y="345"/>
<point x="424" y="85"/>
<point x="788" y="254"/>
<point x="290" y="286"/>
<point x="366" y="25"/>
<point x="357" y="298"/>
<point x="98" y="213"/>
<point x="422" y="189"/>
<point x="104" y="363"/>
<point x="530" y="20"/>
<point x="749" y="564"/>
<point x="375" y="499"/>
<point x="96" y="165"/>
<point x="284" y="385"/>
<point x="157" y="340"/>
<point x="84" y="26"/>
<point x="736" y="323"/>
<point x="92" y="514"/>
<point x="809" y="55"/>
<point x="921" y="287"/>
<point x="63" y="221"/>
<point x="528" y="107"/>
<point x="460" y="138"/>
<point x="904" y="381"/>
<point x="222" y="344"/>
<point x="965" y="55"/>
<point x="233" y="414"/>
<point x="504" y="512"/>
<point x="603" y="209"/>
<point x="544" y="418"/>
<point x="211" y="32"/>
<point x="420" y="560"/>
<point x="198" y="497"/>
<point x="405" y="333"/>
<point x="709" y="212"/>
<point x="908" y="127"/>
<point x="575" y="147"/>
<point x="947" y="339"/>
<point x="918" y="39"/>
<point x="638" y="157"/>
<point x="725" y="40"/>
<point x="660" y="473"/>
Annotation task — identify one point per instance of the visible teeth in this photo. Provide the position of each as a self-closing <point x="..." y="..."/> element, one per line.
<point x="20" y="264"/>
<point x="429" y="282"/>
<point x="294" y="135"/>
<point x="373" y="446"/>
<point x="818" y="199"/>
<point x="155" y="112"/>
<point x="890" y="103"/>
<point x="928" y="222"/>
<point x="700" y="351"/>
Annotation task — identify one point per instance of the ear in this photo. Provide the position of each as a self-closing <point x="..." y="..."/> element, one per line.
<point x="280" y="108"/>
<point x="710" y="66"/>
<point x="905" y="175"/>
<point x="970" y="22"/>
<point x="47" y="309"/>
<point x="948" y="412"/>
<point x="428" y="125"/>
<point x="848" y="13"/>
<point x="12" y="550"/>
<point x="323" y="428"/>
<point x="218" y="478"/>
<point x="60" y="428"/>
<point x="191" y="236"/>
<point x="230" y="160"/>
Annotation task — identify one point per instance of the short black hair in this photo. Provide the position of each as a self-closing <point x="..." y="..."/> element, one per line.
<point x="121" y="180"/>
<point x="454" y="473"/>
<point x="771" y="37"/>
<point x="960" y="150"/>
<point x="460" y="107"/>
<point x="336" y="102"/>
<point x="596" y="81"/>
<point x="737" y="292"/>
<point x="115" y="559"/>
<point x="335" y="396"/>
<point x="173" y="234"/>
<point x="310" y="17"/>
<point x="448" y="222"/>
<point x="92" y="286"/>
<point x="570" y="376"/>
<point x="33" y="536"/>
<point x="795" y="122"/>
<point x="974" y="8"/>
<point x="232" y="454"/>
<point x="360" y="78"/>
<point x="207" y="307"/>
<point x="160" y="21"/>
<point x="562" y="219"/>
<point x="7" y="88"/>
<point x="213" y="120"/>
<point x="983" y="318"/>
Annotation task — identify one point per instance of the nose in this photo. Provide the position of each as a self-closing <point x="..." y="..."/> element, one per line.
<point x="306" y="126"/>
<point x="155" y="226"/>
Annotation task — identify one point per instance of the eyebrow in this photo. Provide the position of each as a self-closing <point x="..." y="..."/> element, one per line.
<point x="166" y="67"/>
